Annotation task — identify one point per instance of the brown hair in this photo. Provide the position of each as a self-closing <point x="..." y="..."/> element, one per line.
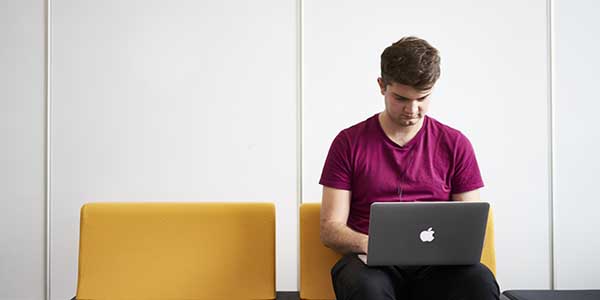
<point x="410" y="61"/>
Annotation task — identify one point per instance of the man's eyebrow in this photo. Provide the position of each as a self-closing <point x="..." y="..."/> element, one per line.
<point x="402" y="97"/>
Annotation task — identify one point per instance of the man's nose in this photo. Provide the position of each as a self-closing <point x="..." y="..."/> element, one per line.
<point x="412" y="107"/>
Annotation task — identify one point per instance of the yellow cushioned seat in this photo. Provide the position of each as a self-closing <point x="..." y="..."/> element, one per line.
<point x="317" y="260"/>
<point x="177" y="251"/>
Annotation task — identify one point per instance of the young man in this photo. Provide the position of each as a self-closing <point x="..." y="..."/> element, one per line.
<point x="399" y="154"/>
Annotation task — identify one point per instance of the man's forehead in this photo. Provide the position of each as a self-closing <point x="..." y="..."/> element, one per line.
<point x="407" y="91"/>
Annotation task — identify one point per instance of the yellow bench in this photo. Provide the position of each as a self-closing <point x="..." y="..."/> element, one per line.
<point x="317" y="260"/>
<point x="177" y="251"/>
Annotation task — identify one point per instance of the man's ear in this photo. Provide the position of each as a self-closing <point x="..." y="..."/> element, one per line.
<point x="382" y="85"/>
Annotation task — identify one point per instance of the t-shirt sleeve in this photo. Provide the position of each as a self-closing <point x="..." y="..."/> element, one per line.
<point x="337" y="172"/>
<point x="467" y="176"/>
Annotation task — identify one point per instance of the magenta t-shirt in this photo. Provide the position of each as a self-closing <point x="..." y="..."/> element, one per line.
<point x="437" y="162"/>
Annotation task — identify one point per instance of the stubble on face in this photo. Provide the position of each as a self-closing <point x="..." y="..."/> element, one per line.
<point x="405" y="105"/>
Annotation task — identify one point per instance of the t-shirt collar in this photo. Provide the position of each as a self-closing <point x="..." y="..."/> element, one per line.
<point x="410" y="143"/>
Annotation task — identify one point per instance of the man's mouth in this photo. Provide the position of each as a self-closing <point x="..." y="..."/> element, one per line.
<point x="410" y="117"/>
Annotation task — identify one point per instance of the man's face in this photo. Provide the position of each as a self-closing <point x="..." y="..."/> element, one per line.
<point x="404" y="105"/>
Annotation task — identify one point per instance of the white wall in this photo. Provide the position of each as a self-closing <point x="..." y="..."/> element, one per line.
<point x="22" y="149"/>
<point x="493" y="87"/>
<point x="185" y="101"/>
<point x="576" y="62"/>
<point x="140" y="92"/>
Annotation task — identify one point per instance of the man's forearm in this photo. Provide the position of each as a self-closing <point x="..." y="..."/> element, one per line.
<point x="342" y="239"/>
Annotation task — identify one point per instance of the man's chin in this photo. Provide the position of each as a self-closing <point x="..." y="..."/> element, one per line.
<point x="408" y="122"/>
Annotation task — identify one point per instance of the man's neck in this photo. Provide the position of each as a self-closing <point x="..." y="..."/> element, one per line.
<point x="400" y="135"/>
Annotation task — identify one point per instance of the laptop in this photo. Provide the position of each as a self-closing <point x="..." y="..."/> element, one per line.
<point x="426" y="233"/>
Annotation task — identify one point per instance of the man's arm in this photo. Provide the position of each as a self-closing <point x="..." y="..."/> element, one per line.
<point x="335" y="234"/>
<point x="467" y="196"/>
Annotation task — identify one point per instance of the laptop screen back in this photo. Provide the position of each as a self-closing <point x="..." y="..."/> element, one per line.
<point x="426" y="233"/>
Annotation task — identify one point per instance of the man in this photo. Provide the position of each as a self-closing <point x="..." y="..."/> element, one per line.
<point x="399" y="154"/>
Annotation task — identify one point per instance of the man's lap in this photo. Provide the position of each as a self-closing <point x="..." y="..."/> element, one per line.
<point x="350" y="273"/>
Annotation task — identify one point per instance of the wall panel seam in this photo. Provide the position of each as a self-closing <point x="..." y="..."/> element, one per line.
<point x="299" y="126"/>
<point x="47" y="205"/>
<point x="551" y="138"/>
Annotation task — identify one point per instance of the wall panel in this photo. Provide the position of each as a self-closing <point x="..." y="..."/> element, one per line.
<point x="172" y="101"/>
<point x="22" y="149"/>
<point x="493" y="88"/>
<point x="577" y="226"/>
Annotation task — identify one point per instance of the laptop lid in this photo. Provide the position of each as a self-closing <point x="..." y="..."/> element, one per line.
<point x="426" y="233"/>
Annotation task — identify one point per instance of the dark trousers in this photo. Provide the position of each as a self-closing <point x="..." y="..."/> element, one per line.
<point x="353" y="280"/>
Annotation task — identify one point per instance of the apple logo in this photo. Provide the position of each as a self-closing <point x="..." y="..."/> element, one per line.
<point x="427" y="235"/>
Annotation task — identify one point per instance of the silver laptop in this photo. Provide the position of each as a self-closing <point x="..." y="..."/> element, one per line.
<point x="426" y="233"/>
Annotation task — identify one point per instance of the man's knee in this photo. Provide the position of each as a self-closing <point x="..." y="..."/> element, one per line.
<point x="379" y="287"/>
<point x="354" y="280"/>
<point x="479" y="283"/>
<point x="479" y="273"/>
